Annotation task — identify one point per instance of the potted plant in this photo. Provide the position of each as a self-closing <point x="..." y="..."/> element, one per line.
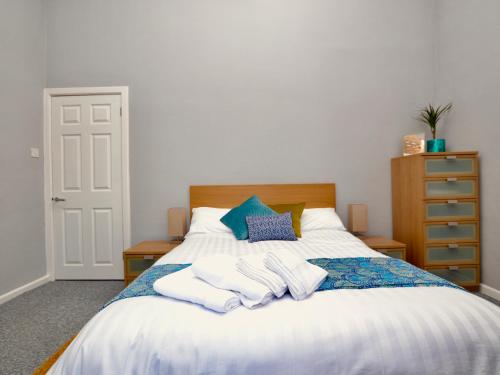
<point x="431" y="115"/>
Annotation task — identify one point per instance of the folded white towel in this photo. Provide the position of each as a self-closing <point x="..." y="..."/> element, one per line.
<point x="221" y="272"/>
<point x="185" y="286"/>
<point x="253" y="267"/>
<point x="302" y="277"/>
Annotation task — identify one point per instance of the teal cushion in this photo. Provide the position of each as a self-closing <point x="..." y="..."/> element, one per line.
<point x="236" y="218"/>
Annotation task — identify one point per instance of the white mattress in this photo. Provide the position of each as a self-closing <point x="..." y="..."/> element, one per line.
<point x="426" y="330"/>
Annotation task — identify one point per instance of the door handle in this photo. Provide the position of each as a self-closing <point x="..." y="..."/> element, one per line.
<point x="56" y="199"/>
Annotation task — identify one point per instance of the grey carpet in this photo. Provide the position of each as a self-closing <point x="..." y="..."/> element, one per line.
<point x="35" y="324"/>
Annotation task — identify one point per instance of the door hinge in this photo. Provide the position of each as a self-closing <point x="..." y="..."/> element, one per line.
<point x="120" y="111"/>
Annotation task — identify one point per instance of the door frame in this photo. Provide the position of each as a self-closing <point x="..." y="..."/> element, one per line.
<point x="48" y="94"/>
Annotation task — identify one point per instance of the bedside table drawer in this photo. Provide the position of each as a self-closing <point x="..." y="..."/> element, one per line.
<point x="451" y="232"/>
<point x="451" y="188"/>
<point x="461" y="275"/>
<point x="450" y="164"/>
<point x="451" y="254"/>
<point x="136" y="265"/>
<point x="393" y="253"/>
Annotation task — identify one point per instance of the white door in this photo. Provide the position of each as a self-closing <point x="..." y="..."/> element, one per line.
<point x="87" y="186"/>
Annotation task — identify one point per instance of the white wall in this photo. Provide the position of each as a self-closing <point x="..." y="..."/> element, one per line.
<point x="239" y="91"/>
<point x="22" y="77"/>
<point x="468" y="74"/>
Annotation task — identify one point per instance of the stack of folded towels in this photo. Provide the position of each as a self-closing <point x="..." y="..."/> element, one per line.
<point x="301" y="277"/>
<point x="222" y="282"/>
<point x="253" y="267"/>
<point x="185" y="286"/>
<point x="220" y="271"/>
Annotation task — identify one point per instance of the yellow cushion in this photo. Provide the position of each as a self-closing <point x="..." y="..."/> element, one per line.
<point x="296" y="210"/>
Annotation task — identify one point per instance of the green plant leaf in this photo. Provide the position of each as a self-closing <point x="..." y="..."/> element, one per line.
<point x="431" y="115"/>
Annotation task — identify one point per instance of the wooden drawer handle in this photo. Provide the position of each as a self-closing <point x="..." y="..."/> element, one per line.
<point x="451" y="157"/>
<point x="452" y="201"/>
<point x="452" y="224"/>
<point x="453" y="268"/>
<point x="452" y="179"/>
<point x="149" y="257"/>
<point x="452" y="246"/>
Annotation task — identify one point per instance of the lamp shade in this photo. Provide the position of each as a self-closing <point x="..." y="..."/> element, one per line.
<point x="358" y="218"/>
<point x="177" y="221"/>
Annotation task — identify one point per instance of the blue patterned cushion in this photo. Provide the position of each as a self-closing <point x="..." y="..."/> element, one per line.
<point x="235" y="219"/>
<point x="268" y="228"/>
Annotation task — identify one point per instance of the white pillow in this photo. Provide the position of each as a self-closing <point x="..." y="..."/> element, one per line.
<point x="320" y="218"/>
<point x="207" y="220"/>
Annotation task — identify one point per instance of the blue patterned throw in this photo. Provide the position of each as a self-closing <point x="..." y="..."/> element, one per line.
<point x="364" y="273"/>
<point x="343" y="273"/>
<point x="143" y="284"/>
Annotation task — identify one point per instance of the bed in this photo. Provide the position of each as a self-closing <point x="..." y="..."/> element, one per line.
<point x="425" y="330"/>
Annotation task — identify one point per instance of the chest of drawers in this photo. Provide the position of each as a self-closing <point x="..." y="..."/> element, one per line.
<point x="435" y="211"/>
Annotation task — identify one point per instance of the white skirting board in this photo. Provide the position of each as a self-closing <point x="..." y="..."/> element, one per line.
<point x="490" y="292"/>
<point x="24" y="288"/>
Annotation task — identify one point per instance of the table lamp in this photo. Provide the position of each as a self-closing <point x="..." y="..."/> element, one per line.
<point x="177" y="223"/>
<point x="358" y="218"/>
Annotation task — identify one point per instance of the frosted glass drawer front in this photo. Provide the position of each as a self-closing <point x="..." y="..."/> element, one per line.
<point x="452" y="254"/>
<point x="453" y="209"/>
<point x="460" y="275"/>
<point x="450" y="189"/>
<point x="393" y="253"/>
<point x="445" y="232"/>
<point x="136" y="266"/>
<point x="398" y="254"/>
<point x="451" y="166"/>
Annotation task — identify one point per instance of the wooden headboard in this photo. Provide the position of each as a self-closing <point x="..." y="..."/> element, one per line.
<point x="228" y="196"/>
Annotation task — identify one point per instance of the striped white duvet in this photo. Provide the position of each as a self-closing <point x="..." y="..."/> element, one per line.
<point x="427" y="330"/>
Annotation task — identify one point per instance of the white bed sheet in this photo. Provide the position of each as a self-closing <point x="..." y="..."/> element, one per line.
<point x="426" y="330"/>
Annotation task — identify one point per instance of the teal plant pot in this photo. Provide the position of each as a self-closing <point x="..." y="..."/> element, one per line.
<point x="436" y="145"/>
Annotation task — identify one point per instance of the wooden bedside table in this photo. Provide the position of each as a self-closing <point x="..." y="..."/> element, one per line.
<point x="386" y="246"/>
<point x="140" y="257"/>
